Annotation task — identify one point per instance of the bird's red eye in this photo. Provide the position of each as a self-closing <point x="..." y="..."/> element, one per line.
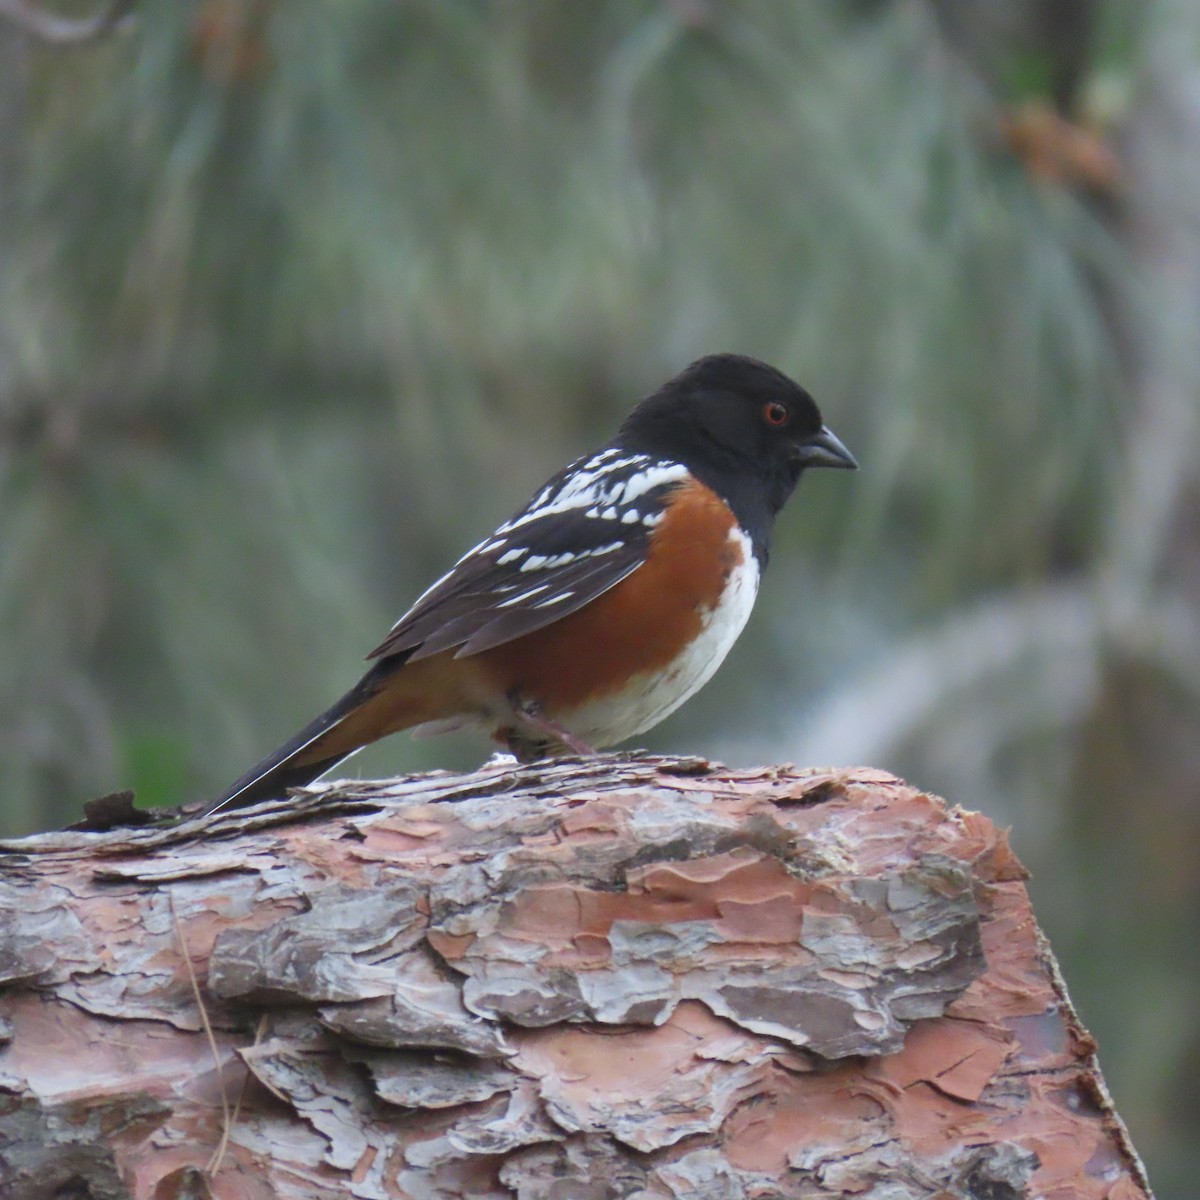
<point x="775" y="413"/>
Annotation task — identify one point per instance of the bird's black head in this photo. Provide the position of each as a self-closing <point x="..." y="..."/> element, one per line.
<point x="742" y="428"/>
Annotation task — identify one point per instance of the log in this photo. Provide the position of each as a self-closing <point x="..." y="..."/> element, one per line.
<point x="614" y="977"/>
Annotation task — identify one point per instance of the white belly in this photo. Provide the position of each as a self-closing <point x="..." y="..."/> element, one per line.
<point x="651" y="697"/>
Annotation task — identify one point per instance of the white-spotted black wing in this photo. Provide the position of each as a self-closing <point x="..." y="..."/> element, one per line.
<point x="581" y="534"/>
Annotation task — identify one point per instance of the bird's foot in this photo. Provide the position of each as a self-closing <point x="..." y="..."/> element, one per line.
<point x="553" y="735"/>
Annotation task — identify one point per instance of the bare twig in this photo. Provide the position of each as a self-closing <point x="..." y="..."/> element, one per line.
<point x="218" y="1155"/>
<point x="66" y="31"/>
<point x="226" y="1112"/>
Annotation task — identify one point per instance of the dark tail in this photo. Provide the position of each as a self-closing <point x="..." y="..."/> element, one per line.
<point x="312" y="752"/>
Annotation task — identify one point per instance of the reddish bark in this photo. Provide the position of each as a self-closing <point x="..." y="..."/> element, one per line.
<point x="617" y="977"/>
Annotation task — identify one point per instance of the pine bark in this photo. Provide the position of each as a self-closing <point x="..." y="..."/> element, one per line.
<point x="616" y="977"/>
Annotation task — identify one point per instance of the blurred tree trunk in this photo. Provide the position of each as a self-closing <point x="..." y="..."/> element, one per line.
<point x="630" y="976"/>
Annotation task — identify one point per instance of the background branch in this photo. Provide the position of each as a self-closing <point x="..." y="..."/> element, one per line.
<point x="66" y="31"/>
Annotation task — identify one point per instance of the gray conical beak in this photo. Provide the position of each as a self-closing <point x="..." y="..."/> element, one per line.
<point x="825" y="449"/>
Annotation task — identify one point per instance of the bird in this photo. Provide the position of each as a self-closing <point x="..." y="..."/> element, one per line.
<point x="599" y="607"/>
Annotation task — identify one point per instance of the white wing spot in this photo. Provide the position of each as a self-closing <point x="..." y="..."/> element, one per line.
<point x="433" y="587"/>
<point x="523" y="596"/>
<point x="601" y="486"/>
<point x="587" y="487"/>
<point x="652" y="477"/>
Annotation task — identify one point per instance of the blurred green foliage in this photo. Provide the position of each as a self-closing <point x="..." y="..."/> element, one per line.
<point x="296" y="301"/>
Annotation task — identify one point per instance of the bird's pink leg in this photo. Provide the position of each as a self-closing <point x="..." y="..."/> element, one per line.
<point x="530" y="715"/>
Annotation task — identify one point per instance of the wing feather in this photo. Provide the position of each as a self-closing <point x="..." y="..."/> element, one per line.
<point x="517" y="622"/>
<point x="583" y="533"/>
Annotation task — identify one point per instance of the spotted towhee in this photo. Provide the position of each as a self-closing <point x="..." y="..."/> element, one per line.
<point x="604" y="603"/>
